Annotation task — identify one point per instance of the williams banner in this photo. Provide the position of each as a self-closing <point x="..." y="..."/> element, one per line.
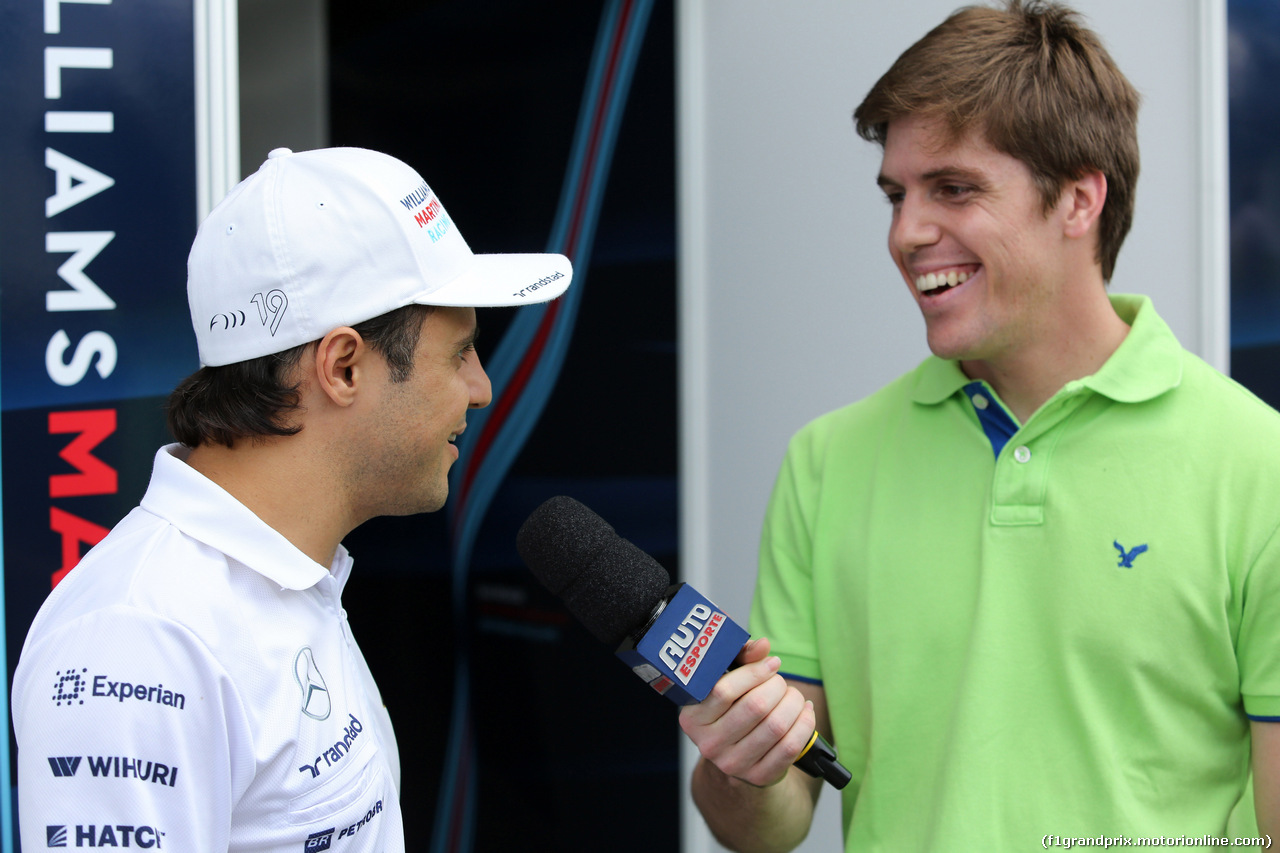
<point x="98" y="175"/>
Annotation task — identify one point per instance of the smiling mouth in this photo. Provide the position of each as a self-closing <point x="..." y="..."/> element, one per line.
<point x="932" y="284"/>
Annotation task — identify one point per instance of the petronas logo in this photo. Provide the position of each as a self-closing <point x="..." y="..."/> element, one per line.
<point x="315" y="694"/>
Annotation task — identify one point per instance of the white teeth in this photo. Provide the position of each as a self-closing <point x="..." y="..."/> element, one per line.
<point x="932" y="281"/>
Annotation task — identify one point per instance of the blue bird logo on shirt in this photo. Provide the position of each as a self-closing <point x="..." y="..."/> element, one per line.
<point x="1126" y="557"/>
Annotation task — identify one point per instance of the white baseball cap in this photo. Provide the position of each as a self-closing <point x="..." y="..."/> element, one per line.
<point x="321" y="239"/>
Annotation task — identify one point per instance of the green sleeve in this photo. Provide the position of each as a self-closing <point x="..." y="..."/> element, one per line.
<point x="782" y="608"/>
<point x="1258" y="646"/>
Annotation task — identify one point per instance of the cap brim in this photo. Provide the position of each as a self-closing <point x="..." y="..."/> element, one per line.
<point x="493" y="281"/>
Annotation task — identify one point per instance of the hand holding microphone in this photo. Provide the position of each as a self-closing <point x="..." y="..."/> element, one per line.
<point x="677" y="641"/>
<point x="753" y="723"/>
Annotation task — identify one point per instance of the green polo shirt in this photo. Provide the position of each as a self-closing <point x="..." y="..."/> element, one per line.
<point x="1053" y="628"/>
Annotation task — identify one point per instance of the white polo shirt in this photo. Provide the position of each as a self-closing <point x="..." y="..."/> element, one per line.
<point x="193" y="685"/>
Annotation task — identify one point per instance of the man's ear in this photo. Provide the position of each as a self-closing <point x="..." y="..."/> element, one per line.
<point x="1083" y="199"/>
<point x="338" y="362"/>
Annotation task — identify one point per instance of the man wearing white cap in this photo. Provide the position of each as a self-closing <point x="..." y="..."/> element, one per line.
<point x="193" y="684"/>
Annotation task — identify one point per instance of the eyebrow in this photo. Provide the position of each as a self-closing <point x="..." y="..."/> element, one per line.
<point x="954" y="172"/>
<point x="960" y="172"/>
<point x="469" y="339"/>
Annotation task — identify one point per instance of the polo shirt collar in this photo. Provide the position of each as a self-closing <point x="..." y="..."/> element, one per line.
<point x="1148" y="361"/>
<point x="207" y="513"/>
<point x="1145" y="365"/>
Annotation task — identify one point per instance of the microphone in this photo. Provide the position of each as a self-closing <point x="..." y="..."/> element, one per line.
<point x="676" y="640"/>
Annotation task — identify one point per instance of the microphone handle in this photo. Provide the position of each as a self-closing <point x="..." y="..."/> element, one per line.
<point x="819" y="761"/>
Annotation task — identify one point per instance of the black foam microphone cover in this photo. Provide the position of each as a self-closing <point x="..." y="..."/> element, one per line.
<point x="615" y="590"/>
<point x="608" y="584"/>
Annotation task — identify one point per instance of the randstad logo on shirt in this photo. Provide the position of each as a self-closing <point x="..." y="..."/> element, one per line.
<point x="338" y="751"/>
<point x="72" y="687"/>
<point x="119" y="835"/>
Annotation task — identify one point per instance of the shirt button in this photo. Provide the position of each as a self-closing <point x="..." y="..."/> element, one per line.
<point x="980" y="402"/>
<point x="1022" y="454"/>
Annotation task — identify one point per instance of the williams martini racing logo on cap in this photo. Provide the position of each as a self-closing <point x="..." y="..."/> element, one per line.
<point x="683" y="652"/>
<point x="427" y="212"/>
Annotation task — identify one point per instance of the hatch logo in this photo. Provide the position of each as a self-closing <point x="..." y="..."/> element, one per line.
<point x="683" y="652"/>
<point x="119" y="835"/>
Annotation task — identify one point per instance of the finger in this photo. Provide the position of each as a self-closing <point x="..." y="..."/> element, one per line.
<point x="740" y="737"/>
<point x="730" y="713"/>
<point x="763" y="731"/>
<point x="757" y="649"/>
<point x="732" y="686"/>
<point x="764" y="753"/>
<point x="775" y="764"/>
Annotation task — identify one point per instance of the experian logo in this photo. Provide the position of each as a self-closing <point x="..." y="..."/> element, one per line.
<point x="71" y="688"/>
<point x="682" y="653"/>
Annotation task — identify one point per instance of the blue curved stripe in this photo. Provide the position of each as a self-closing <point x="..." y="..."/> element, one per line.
<point x="520" y="332"/>
<point x="585" y="179"/>
<point x="458" y="760"/>
<point x="513" y="348"/>
<point x="524" y="415"/>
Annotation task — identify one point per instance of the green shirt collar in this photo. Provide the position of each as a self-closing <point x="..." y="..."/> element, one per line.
<point x="1147" y="363"/>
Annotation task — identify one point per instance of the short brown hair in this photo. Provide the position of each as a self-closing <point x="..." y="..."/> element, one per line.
<point x="1038" y="85"/>
<point x="254" y="399"/>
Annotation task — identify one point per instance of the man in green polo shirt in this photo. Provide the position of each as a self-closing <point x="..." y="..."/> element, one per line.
<point x="1031" y="589"/>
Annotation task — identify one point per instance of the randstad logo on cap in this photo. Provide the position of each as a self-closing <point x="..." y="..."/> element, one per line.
<point x="537" y="285"/>
<point x="427" y="211"/>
